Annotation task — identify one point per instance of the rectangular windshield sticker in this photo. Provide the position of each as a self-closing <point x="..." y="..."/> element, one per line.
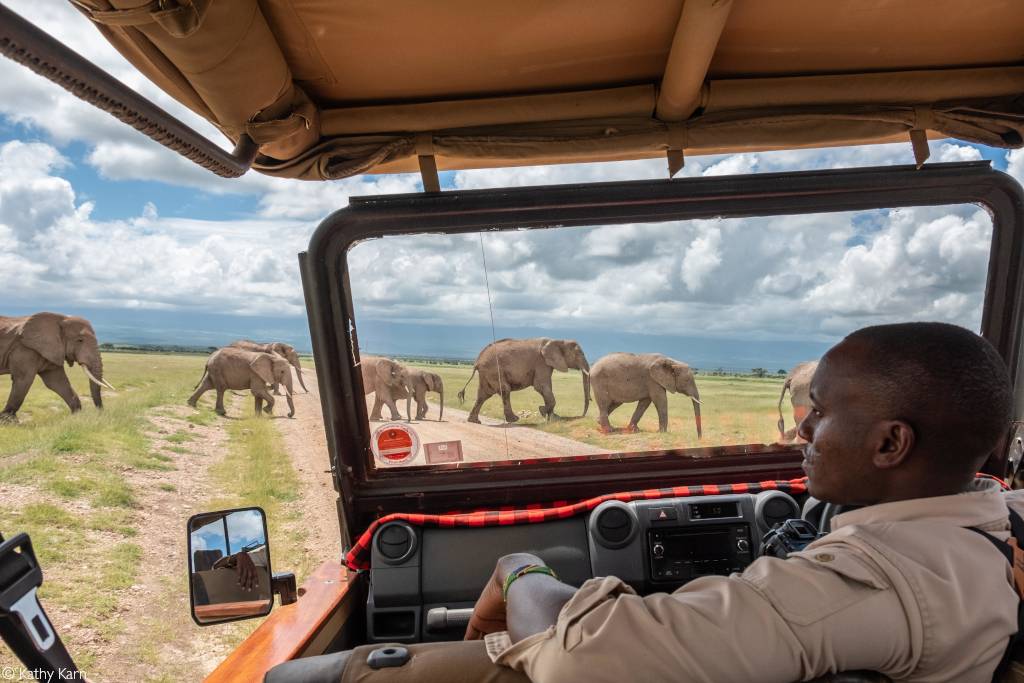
<point x="443" y="451"/>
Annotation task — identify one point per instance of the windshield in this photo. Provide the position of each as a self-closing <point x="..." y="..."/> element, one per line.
<point x="583" y="341"/>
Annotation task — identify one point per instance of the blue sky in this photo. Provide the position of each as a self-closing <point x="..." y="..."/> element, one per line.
<point x="96" y="219"/>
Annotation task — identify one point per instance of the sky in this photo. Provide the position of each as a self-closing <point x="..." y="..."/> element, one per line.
<point x="96" y="219"/>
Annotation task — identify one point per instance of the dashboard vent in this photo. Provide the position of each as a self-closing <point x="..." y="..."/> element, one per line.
<point x="774" y="507"/>
<point x="396" y="541"/>
<point x="614" y="525"/>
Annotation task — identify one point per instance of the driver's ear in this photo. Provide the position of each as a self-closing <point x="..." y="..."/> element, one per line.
<point x="893" y="440"/>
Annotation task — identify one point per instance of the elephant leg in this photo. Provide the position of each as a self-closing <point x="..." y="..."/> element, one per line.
<point x="277" y="389"/>
<point x="661" y="405"/>
<point x="258" y="404"/>
<point x="482" y="395"/>
<point x="204" y="386"/>
<point x="20" y="384"/>
<point x="421" y="404"/>
<point x="604" y="411"/>
<point x="219" y="408"/>
<point x="395" y="415"/>
<point x="377" y="406"/>
<point x="641" y="408"/>
<point x="548" y="409"/>
<point x="57" y="381"/>
<point x="506" y="400"/>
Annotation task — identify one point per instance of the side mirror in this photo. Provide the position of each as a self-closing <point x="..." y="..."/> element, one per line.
<point x="229" y="567"/>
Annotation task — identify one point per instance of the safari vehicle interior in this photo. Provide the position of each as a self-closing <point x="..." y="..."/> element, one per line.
<point x="322" y="92"/>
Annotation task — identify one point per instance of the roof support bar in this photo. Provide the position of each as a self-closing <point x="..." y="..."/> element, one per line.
<point x="48" y="57"/>
<point x="697" y="33"/>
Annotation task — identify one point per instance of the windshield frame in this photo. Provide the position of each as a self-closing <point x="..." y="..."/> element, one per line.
<point x="366" y="491"/>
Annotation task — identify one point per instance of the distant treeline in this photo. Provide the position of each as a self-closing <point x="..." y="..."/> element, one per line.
<point x="714" y="372"/>
<point x="157" y="348"/>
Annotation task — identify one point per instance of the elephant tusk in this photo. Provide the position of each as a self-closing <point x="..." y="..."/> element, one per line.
<point x="697" y="401"/>
<point x="97" y="381"/>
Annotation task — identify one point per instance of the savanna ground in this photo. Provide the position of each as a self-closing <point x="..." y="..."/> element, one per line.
<point x="105" y="495"/>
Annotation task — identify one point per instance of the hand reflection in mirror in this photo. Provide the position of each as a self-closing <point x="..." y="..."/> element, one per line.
<point x="245" y="566"/>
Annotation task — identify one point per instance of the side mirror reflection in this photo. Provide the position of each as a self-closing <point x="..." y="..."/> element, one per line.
<point x="229" y="566"/>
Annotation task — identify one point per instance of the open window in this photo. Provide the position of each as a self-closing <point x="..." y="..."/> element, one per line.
<point x="739" y="279"/>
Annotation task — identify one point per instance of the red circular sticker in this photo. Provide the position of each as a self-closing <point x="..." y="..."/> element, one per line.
<point x="395" y="444"/>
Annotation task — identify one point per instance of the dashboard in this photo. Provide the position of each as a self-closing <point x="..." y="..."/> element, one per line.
<point x="425" y="580"/>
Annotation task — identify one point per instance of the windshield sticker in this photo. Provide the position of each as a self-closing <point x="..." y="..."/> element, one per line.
<point x="395" y="444"/>
<point x="442" y="452"/>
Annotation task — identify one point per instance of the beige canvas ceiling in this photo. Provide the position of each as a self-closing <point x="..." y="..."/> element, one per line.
<point x="332" y="88"/>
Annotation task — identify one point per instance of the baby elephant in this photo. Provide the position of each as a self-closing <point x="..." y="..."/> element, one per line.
<point x="231" y="368"/>
<point x="626" y="377"/>
<point x="418" y="383"/>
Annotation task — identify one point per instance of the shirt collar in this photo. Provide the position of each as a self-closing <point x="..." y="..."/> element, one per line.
<point x="984" y="504"/>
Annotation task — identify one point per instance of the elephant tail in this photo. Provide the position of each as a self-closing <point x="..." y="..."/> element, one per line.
<point x="782" y="423"/>
<point x="462" y="392"/>
<point x="206" y="372"/>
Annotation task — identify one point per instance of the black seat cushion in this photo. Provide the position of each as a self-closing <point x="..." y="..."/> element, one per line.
<point x="320" y="669"/>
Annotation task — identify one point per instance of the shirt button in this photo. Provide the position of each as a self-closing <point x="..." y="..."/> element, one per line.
<point x="824" y="557"/>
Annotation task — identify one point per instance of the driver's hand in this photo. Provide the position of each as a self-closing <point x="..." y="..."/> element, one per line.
<point x="489" y="611"/>
<point x="248" y="579"/>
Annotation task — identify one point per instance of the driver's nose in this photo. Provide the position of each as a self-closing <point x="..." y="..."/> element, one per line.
<point x="805" y="430"/>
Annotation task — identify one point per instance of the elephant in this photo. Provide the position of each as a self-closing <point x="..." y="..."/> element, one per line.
<point x="798" y="381"/>
<point x="233" y="368"/>
<point x="286" y="351"/>
<point x="418" y="383"/>
<point x="40" y="344"/>
<point x="386" y="380"/>
<point x="626" y="377"/>
<point x="509" y="365"/>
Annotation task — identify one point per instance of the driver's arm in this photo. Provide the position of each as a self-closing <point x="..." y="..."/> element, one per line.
<point x="778" y="621"/>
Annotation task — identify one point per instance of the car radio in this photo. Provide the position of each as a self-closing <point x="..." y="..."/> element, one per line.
<point x="683" y="553"/>
<point x="653" y="543"/>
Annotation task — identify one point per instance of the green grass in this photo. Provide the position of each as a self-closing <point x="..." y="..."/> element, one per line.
<point x="258" y="472"/>
<point x="84" y="521"/>
<point x="735" y="410"/>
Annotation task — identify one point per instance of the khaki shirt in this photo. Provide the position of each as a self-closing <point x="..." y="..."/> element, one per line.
<point x="901" y="588"/>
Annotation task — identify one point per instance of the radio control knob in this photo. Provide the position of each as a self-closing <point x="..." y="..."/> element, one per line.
<point x="658" y="550"/>
<point x="742" y="545"/>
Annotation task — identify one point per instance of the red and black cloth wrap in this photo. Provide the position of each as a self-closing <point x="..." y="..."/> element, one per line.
<point x="359" y="556"/>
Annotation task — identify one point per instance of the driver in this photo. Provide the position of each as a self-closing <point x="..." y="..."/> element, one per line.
<point x="902" y="418"/>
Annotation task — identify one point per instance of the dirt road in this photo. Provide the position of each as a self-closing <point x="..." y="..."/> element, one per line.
<point x="489" y="441"/>
<point x="306" y="443"/>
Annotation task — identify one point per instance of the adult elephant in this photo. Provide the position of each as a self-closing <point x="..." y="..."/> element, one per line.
<point x="627" y="377"/>
<point x="387" y="381"/>
<point x="286" y="351"/>
<point x="233" y="368"/>
<point x="418" y="383"/>
<point x="509" y="365"/>
<point x="798" y="382"/>
<point x="40" y="344"/>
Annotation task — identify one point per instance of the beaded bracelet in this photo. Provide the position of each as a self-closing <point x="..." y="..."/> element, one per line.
<point x="523" y="571"/>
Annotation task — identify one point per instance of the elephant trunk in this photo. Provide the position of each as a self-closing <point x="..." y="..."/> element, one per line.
<point x="298" y="371"/>
<point x="94" y="385"/>
<point x="408" y="406"/>
<point x="696" y="413"/>
<point x="441" y="416"/>
<point x="586" y="387"/>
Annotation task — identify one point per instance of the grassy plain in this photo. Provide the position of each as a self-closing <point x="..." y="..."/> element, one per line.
<point x="68" y="482"/>
<point x="735" y="410"/>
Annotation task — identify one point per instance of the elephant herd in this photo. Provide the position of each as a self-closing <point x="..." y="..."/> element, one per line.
<point x="250" y="365"/>
<point x="509" y="365"/>
<point x="40" y="344"/>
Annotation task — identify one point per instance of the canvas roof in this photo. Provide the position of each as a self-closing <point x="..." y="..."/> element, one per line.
<point x="332" y="88"/>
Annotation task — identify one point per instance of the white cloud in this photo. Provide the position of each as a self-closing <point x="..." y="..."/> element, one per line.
<point x="701" y="259"/>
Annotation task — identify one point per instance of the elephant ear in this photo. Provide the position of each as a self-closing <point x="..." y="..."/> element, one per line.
<point x="263" y="367"/>
<point x="384" y="371"/>
<point x="553" y="355"/>
<point x="663" y="373"/>
<point x="434" y="382"/>
<point x="43" y="334"/>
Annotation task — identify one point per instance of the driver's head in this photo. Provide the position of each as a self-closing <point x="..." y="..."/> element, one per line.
<point x="903" y="411"/>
